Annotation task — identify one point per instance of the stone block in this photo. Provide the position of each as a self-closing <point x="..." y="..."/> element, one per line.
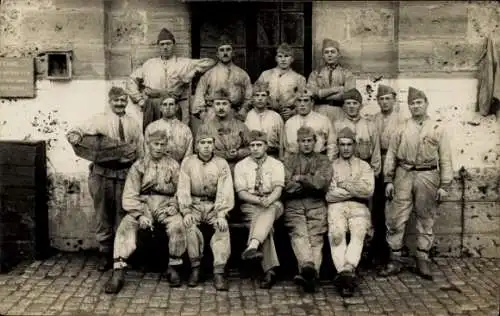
<point x="371" y="23"/>
<point x="150" y="5"/>
<point x="127" y="27"/>
<point x="456" y="56"/>
<point x="72" y="26"/>
<point x="89" y="61"/>
<point x="415" y="55"/>
<point x="434" y="19"/>
<point x="78" y="4"/>
<point x="379" y="57"/>
<point x="118" y="63"/>
<point x="481" y="184"/>
<point x="484" y="17"/>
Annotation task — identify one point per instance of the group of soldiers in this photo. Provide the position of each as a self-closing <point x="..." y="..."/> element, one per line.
<point x="284" y="146"/>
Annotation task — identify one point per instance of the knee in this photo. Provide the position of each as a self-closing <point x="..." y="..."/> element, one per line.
<point x="336" y="238"/>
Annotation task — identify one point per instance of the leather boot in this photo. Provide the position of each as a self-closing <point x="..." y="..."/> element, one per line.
<point x="173" y="276"/>
<point x="194" y="278"/>
<point x="309" y="274"/>
<point x="268" y="280"/>
<point x="394" y="267"/>
<point x="424" y="268"/>
<point x="115" y="284"/>
<point x="349" y="284"/>
<point x="220" y="282"/>
<point x="105" y="262"/>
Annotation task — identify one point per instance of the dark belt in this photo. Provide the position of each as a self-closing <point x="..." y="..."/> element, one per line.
<point x="383" y="151"/>
<point x="205" y="198"/>
<point x="155" y="192"/>
<point x="416" y="168"/>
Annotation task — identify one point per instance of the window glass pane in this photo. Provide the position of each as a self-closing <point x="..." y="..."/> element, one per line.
<point x="292" y="28"/>
<point x="212" y="28"/>
<point x="292" y="6"/>
<point x="267" y="29"/>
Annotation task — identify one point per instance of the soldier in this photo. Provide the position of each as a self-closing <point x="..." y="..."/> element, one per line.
<point x="284" y="82"/>
<point x="259" y="181"/>
<point x="164" y="74"/>
<point x="206" y="195"/>
<point x="330" y="82"/>
<point x="367" y="137"/>
<point x="148" y="198"/>
<point x="106" y="182"/>
<point x="225" y="74"/>
<point x="231" y="134"/>
<point x="351" y="188"/>
<point x="418" y="172"/>
<point x="307" y="176"/>
<point x="387" y="122"/>
<point x="180" y="138"/>
<point x="268" y="121"/>
<point x="323" y="129"/>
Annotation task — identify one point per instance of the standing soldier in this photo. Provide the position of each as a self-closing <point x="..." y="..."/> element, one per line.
<point x="330" y="82"/>
<point x="180" y="138"/>
<point x="105" y="181"/>
<point x="265" y="120"/>
<point x="367" y="137"/>
<point x="148" y="198"/>
<point x="323" y="129"/>
<point x="206" y="195"/>
<point x="418" y="172"/>
<point x="351" y="188"/>
<point x="225" y="74"/>
<point x="161" y="75"/>
<point x="284" y="82"/>
<point x="231" y="134"/>
<point x="307" y="176"/>
<point x="387" y="122"/>
<point x="259" y="181"/>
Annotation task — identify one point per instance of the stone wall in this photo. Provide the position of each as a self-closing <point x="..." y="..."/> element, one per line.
<point x="407" y="43"/>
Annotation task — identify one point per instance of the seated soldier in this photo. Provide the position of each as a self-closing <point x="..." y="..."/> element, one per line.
<point x="148" y="197"/>
<point x="307" y="176"/>
<point x="259" y="181"/>
<point x="205" y="193"/>
<point x="350" y="189"/>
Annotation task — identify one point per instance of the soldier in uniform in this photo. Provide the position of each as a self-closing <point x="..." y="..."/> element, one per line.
<point x="231" y="134"/>
<point x="165" y="74"/>
<point x="284" y="82"/>
<point x="149" y="198"/>
<point x="323" y="129"/>
<point x="307" y="176"/>
<point x="259" y="181"/>
<point x="330" y="82"/>
<point x="205" y="194"/>
<point x="105" y="181"/>
<point x="224" y="75"/>
<point x="418" y="172"/>
<point x="263" y="119"/>
<point x="351" y="187"/>
<point x="180" y="138"/>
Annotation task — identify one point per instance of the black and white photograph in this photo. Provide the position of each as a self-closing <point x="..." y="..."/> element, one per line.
<point x="245" y="157"/>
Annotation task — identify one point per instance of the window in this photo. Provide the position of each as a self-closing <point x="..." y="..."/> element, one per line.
<point x="256" y="29"/>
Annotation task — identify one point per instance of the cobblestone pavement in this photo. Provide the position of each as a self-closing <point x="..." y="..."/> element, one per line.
<point x="68" y="284"/>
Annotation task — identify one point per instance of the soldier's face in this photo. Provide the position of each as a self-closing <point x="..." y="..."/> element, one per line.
<point x="260" y="99"/>
<point x="386" y="102"/>
<point x="166" y="48"/>
<point x="157" y="148"/>
<point x="222" y="107"/>
<point x="304" y="105"/>
<point x="346" y="147"/>
<point x="418" y="107"/>
<point x="225" y="53"/>
<point x="306" y="144"/>
<point x="118" y="104"/>
<point x="351" y="107"/>
<point x="331" y="55"/>
<point x="258" y="149"/>
<point x="205" y="147"/>
<point x="168" y="108"/>
<point x="284" y="60"/>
